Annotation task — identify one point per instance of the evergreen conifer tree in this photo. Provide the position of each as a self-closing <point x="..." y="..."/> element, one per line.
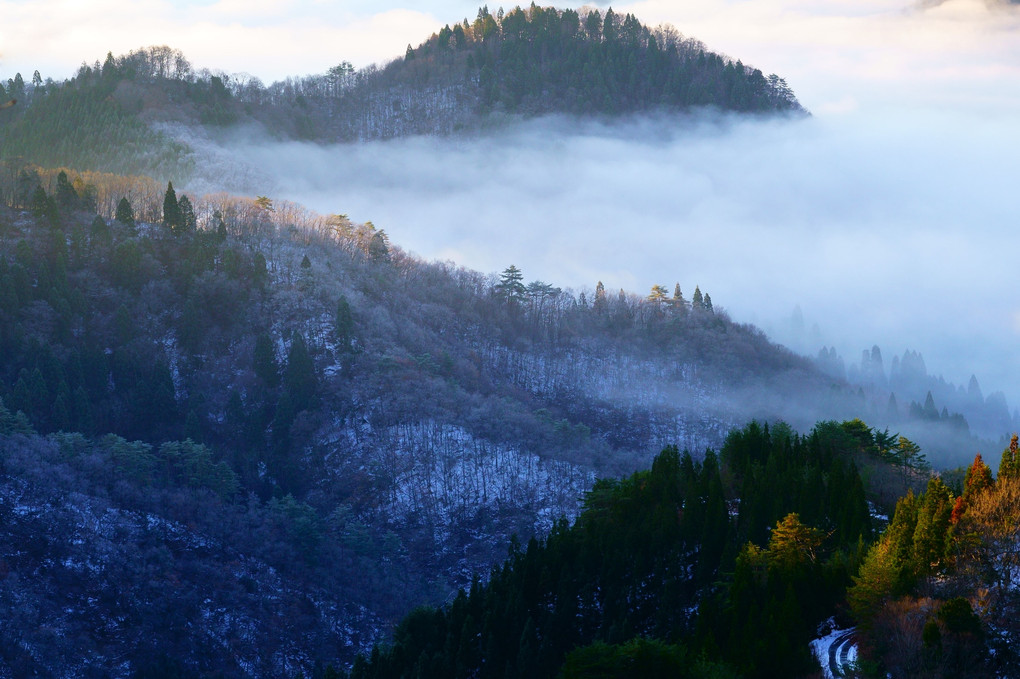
<point x="600" y="304"/>
<point x="219" y="226"/>
<point x="698" y="300"/>
<point x="66" y="196"/>
<point x="189" y="222"/>
<point x="299" y="377"/>
<point x="39" y="203"/>
<point x="125" y="213"/>
<point x="171" y="209"/>
<point x="1009" y="466"/>
<point x="344" y="323"/>
<point x="678" y="301"/>
<point x="657" y="295"/>
<point x="264" y="362"/>
<point x="511" y="285"/>
<point x="379" y="247"/>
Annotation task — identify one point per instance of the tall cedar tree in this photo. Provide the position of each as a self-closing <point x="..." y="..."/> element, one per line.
<point x="189" y="222"/>
<point x="344" y="323"/>
<point x="125" y="213"/>
<point x="299" y="378"/>
<point x="172" y="217"/>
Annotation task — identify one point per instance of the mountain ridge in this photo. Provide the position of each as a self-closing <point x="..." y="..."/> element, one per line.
<point x="474" y="75"/>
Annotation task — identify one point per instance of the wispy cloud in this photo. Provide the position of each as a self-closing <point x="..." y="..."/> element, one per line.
<point x="270" y="39"/>
<point x="892" y="230"/>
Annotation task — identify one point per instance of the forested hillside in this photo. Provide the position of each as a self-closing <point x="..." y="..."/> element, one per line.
<point x="611" y="595"/>
<point x="98" y="120"/>
<point x="203" y="385"/>
<point x="260" y="384"/>
<point x="122" y="114"/>
<point x="717" y="568"/>
<point x="727" y="567"/>
<point x="238" y="438"/>
<point x="907" y="397"/>
<point x="539" y="61"/>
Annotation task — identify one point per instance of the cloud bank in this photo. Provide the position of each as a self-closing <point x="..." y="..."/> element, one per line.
<point x="897" y="230"/>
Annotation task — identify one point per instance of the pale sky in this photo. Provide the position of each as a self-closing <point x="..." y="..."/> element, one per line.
<point x="836" y="54"/>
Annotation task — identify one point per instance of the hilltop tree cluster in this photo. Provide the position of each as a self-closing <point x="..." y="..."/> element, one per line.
<point x="93" y="120"/>
<point x="524" y="62"/>
<point x="541" y="59"/>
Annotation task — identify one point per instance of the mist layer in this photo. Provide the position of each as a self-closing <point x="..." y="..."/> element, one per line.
<point x="894" y="230"/>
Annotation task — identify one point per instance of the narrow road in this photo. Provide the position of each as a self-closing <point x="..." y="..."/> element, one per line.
<point x="839" y="652"/>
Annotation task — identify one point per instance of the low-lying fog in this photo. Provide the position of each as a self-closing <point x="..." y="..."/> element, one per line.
<point x="894" y="229"/>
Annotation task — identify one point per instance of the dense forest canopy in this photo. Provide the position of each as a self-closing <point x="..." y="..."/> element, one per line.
<point x="663" y="557"/>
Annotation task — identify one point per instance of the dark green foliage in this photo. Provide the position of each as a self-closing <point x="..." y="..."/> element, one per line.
<point x="299" y="377"/>
<point x="92" y="278"/>
<point x="300" y="521"/>
<point x="191" y="464"/>
<point x="526" y="62"/>
<point x="219" y="226"/>
<point x="698" y="300"/>
<point x="160" y="343"/>
<point x="621" y="568"/>
<point x="511" y="285"/>
<point x="188" y="221"/>
<point x="67" y="198"/>
<point x="344" y="323"/>
<point x="172" y="217"/>
<point x="259" y="272"/>
<point x="542" y="59"/>
<point x="931" y="531"/>
<point x="89" y="123"/>
<point x="264" y="362"/>
<point x="639" y="657"/>
<point x="931" y="637"/>
<point x="958" y="617"/>
<point x="43" y="206"/>
<point x="125" y="213"/>
<point x="640" y="570"/>
<point x="781" y="472"/>
<point x="13" y="423"/>
<point x="379" y="247"/>
<point x="1009" y="465"/>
